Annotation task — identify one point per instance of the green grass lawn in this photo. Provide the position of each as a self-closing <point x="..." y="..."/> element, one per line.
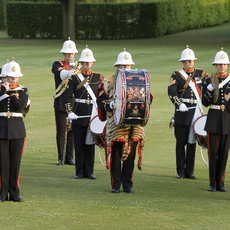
<point x="54" y="199"/>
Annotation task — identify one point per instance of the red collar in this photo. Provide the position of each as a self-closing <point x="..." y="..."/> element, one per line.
<point x="221" y="75"/>
<point x="86" y="72"/>
<point x="188" y="70"/>
<point x="65" y="64"/>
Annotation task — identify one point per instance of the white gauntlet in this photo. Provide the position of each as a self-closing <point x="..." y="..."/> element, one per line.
<point x="111" y="105"/>
<point x="183" y="107"/>
<point x="66" y="73"/>
<point x="210" y="87"/>
<point x="72" y="116"/>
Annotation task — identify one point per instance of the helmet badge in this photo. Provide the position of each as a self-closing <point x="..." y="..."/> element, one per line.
<point x="88" y="54"/>
<point x="14" y="69"/>
<point x="190" y="53"/>
<point x="126" y="57"/>
<point x="71" y="46"/>
<point x="222" y="56"/>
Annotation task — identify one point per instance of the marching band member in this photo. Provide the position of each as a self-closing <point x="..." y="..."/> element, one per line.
<point x="62" y="73"/>
<point x="84" y="87"/>
<point x="121" y="141"/>
<point x="13" y="100"/>
<point x="218" y="121"/>
<point x="184" y="91"/>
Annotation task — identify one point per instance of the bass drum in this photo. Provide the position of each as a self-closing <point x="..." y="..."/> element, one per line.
<point x="132" y="97"/>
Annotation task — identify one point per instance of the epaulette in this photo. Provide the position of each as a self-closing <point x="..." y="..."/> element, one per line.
<point x="102" y="78"/>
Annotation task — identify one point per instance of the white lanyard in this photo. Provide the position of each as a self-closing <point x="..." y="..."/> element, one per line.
<point x="90" y="91"/>
<point x="3" y="97"/>
<point x="193" y="87"/>
<point x="224" y="82"/>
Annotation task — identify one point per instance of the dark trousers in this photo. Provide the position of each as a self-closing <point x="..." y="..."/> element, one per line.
<point x="10" y="159"/>
<point x="84" y="154"/>
<point x="122" y="175"/>
<point x="218" y="146"/>
<point x="185" y="160"/>
<point x="61" y="138"/>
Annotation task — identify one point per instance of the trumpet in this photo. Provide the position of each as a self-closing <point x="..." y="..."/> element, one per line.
<point x="74" y="65"/>
<point x="14" y="88"/>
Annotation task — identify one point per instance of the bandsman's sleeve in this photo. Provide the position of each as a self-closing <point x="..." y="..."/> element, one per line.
<point x="172" y="91"/>
<point x="103" y="102"/>
<point x="206" y="94"/>
<point x="227" y="98"/>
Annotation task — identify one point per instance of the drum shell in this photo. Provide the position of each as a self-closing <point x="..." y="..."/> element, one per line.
<point x="97" y="128"/>
<point x="132" y="97"/>
<point x="201" y="138"/>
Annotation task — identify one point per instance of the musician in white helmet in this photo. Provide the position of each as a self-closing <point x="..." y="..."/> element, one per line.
<point x="62" y="73"/>
<point x="13" y="100"/>
<point x="84" y="86"/>
<point x="184" y="91"/>
<point x="120" y="141"/>
<point x="218" y="121"/>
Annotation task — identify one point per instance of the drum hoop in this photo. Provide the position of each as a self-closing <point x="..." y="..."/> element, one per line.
<point x="91" y="123"/>
<point x="193" y="126"/>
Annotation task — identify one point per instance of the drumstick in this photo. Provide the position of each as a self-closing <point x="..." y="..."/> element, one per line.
<point x="80" y="117"/>
<point x="188" y="108"/>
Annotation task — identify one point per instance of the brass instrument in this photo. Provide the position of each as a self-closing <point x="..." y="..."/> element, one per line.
<point x="14" y="89"/>
<point x="215" y="83"/>
<point x="74" y="65"/>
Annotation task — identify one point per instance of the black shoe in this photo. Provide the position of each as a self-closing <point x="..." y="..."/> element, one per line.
<point x="16" y="199"/>
<point x="114" y="190"/>
<point x="90" y="176"/>
<point x="191" y="177"/>
<point x="60" y="162"/>
<point x="212" y="189"/>
<point x="128" y="190"/>
<point x="180" y="176"/>
<point x="222" y="189"/>
<point x="79" y="177"/>
<point x="70" y="162"/>
<point x="2" y="199"/>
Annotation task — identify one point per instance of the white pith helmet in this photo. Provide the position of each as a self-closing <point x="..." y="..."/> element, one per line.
<point x="124" y="58"/>
<point x="13" y="69"/>
<point x="87" y="55"/>
<point x="3" y="73"/>
<point x="187" y="55"/>
<point x="69" y="47"/>
<point x="221" y="57"/>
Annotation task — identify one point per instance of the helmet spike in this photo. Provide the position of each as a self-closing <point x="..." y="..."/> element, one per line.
<point x="86" y="46"/>
<point x="222" y="48"/>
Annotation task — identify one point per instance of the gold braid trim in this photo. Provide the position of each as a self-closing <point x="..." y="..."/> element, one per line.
<point x="61" y="88"/>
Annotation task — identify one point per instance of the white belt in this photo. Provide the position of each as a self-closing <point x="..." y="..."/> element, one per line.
<point x="83" y="101"/>
<point x="186" y="100"/>
<point x="10" y="114"/>
<point x="218" y="107"/>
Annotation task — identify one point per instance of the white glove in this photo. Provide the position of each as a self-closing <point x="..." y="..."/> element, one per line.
<point x="210" y="87"/>
<point x="111" y="105"/>
<point x="72" y="116"/>
<point x="66" y="73"/>
<point x="183" y="107"/>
